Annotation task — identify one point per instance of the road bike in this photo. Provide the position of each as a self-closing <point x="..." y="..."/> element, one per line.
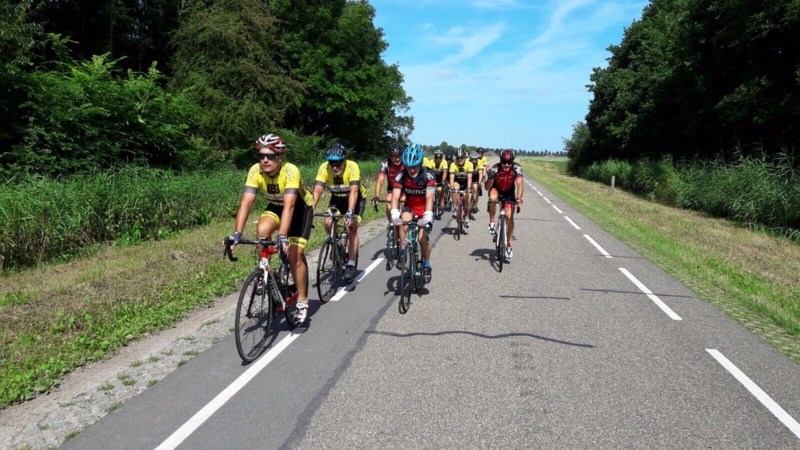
<point x="392" y="248"/>
<point x="500" y="238"/>
<point x="448" y="199"/>
<point x="332" y="256"/>
<point x="460" y="213"/>
<point x="265" y="293"/>
<point x="410" y="264"/>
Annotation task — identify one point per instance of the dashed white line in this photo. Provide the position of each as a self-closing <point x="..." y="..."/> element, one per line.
<point x="757" y="392"/>
<point x="601" y="249"/>
<point x="540" y="193"/>
<point x="559" y="211"/>
<point x="573" y="223"/>
<point x="192" y="424"/>
<point x="547" y="200"/>
<point x="650" y="294"/>
<point x="343" y="291"/>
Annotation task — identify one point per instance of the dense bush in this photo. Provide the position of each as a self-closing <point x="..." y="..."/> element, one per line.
<point x="45" y="218"/>
<point x="83" y="116"/>
<point x="755" y="190"/>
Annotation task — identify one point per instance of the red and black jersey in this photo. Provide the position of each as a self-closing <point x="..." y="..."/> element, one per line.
<point x="415" y="188"/>
<point x="389" y="170"/>
<point x="504" y="179"/>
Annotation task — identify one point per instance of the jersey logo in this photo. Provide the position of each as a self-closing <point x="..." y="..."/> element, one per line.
<point x="273" y="189"/>
<point x="338" y="180"/>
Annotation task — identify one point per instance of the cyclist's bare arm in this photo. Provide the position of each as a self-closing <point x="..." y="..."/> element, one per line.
<point x="317" y="193"/>
<point x="244" y="210"/>
<point x="378" y="184"/>
<point x="353" y="199"/>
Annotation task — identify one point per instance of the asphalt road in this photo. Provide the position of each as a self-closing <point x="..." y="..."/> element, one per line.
<point x="578" y="343"/>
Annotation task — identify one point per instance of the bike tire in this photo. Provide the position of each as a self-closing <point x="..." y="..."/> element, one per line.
<point x="417" y="280"/>
<point x="253" y="317"/>
<point x="459" y="221"/>
<point x="500" y="247"/>
<point x="405" y="284"/>
<point x="391" y="248"/>
<point x="326" y="271"/>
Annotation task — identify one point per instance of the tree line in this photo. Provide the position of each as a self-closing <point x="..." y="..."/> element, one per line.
<point x="695" y="80"/>
<point x="183" y="84"/>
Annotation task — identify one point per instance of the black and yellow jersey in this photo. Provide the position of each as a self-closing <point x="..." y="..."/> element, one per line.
<point x="484" y="161"/>
<point x="339" y="185"/>
<point x="461" y="171"/>
<point x="287" y="181"/>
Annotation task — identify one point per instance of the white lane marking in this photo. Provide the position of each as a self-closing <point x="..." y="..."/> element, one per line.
<point x="559" y="211"/>
<point x="547" y="200"/>
<point x="573" y="223"/>
<point x="540" y="193"/>
<point x="650" y="294"/>
<point x="602" y="250"/>
<point x="192" y="424"/>
<point x="344" y="290"/>
<point x="757" y="392"/>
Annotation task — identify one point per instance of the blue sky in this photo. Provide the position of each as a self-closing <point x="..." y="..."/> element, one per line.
<point x="500" y="73"/>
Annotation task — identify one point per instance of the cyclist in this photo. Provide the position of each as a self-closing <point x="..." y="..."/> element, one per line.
<point x="439" y="168"/>
<point x="504" y="182"/>
<point x="343" y="178"/>
<point x="288" y="210"/>
<point x="477" y="176"/>
<point x="390" y="167"/>
<point x="461" y="177"/>
<point x="482" y="158"/>
<point x="449" y="158"/>
<point x="419" y="185"/>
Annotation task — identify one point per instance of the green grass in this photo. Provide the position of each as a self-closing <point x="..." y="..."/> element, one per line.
<point x="751" y="275"/>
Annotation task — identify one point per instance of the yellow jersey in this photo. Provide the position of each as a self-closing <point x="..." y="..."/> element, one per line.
<point x="339" y="185"/>
<point x="287" y="181"/>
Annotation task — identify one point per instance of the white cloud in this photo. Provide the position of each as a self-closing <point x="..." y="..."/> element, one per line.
<point x="470" y="42"/>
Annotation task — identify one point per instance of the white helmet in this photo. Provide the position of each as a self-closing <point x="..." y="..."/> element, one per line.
<point x="272" y="142"/>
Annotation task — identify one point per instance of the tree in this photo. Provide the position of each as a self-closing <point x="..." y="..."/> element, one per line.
<point x="224" y="57"/>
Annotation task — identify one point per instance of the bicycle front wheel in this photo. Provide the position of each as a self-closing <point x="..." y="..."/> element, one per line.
<point x="253" y="317"/>
<point x="405" y="282"/>
<point x="326" y="271"/>
<point x="391" y="248"/>
<point x="459" y="221"/>
<point x="500" y="246"/>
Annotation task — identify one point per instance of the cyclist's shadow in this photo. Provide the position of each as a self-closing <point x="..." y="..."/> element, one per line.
<point x="484" y="254"/>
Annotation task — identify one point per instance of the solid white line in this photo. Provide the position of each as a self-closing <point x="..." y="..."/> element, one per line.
<point x="759" y="394"/>
<point x="650" y="295"/>
<point x="548" y="201"/>
<point x="602" y="250"/>
<point x="559" y="211"/>
<point x="573" y="223"/>
<point x="343" y="291"/>
<point x="192" y="424"/>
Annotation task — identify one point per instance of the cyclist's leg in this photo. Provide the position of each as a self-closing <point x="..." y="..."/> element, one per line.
<point x="353" y="241"/>
<point x="455" y="189"/>
<point x="269" y="221"/>
<point x="493" y="195"/>
<point x="405" y="215"/>
<point x="299" y="231"/>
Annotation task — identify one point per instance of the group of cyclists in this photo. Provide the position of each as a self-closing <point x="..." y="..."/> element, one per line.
<point x="415" y="184"/>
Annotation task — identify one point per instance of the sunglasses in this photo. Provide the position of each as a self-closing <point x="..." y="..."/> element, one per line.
<point x="506" y="164"/>
<point x="335" y="163"/>
<point x="269" y="156"/>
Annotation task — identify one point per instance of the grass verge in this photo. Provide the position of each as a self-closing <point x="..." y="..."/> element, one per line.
<point x="59" y="316"/>
<point x="752" y="276"/>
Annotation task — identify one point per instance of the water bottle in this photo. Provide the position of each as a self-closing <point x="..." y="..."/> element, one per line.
<point x="343" y="239"/>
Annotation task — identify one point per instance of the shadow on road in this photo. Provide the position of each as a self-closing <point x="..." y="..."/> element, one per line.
<point x="480" y="335"/>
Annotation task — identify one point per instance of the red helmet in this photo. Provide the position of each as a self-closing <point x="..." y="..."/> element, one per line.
<point x="507" y="156"/>
<point x="272" y="142"/>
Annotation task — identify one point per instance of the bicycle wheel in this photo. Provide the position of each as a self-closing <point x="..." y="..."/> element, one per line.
<point x="459" y="221"/>
<point x="417" y="272"/>
<point x="405" y="282"/>
<point x="253" y="317"/>
<point x="391" y="249"/>
<point x="326" y="271"/>
<point x="500" y="245"/>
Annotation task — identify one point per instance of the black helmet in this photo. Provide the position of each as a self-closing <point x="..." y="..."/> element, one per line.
<point x="479" y="150"/>
<point x="395" y="149"/>
<point x="461" y="153"/>
<point x="449" y="156"/>
<point x="438" y="154"/>
<point x="507" y="156"/>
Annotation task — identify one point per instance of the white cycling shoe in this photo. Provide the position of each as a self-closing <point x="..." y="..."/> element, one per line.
<point x="509" y="252"/>
<point x="301" y="313"/>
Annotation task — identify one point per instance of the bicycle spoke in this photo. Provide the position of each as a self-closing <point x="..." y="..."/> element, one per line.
<point x="326" y="271"/>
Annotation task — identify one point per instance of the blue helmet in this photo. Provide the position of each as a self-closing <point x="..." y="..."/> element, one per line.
<point x="413" y="155"/>
<point x="336" y="152"/>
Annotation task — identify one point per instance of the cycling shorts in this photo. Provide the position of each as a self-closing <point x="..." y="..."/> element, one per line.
<point x="300" y="228"/>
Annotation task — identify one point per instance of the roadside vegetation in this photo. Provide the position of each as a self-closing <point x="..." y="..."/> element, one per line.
<point x="748" y="272"/>
<point x="57" y="316"/>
